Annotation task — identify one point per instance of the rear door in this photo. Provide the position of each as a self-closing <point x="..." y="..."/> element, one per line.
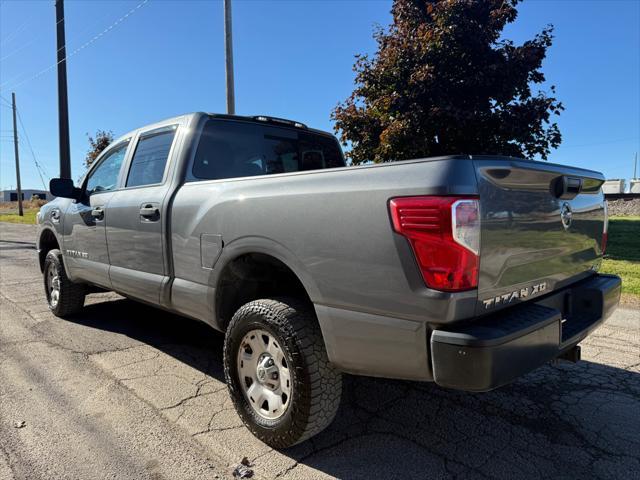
<point x="135" y="238"/>
<point x="542" y="228"/>
<point x="84" y="239"/>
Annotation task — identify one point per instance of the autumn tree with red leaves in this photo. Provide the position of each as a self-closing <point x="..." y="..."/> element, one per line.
<point x="443" y="81"/>
<point x="97" y="144"/>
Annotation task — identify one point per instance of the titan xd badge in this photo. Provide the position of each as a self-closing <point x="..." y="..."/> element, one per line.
<point x="516" y="294"/>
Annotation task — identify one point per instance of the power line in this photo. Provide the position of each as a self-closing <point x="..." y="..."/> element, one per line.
<point x="26" y="44"/>
<point x="39" y="34"/>
<point x="9" y="37"/>
<point x="39" y="168"/>
<point x="80" y="48"/>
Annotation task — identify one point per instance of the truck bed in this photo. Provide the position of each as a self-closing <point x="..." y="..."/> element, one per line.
<point x="332" y="226"/>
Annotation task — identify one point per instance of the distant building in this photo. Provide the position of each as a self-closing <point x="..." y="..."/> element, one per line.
<point x="12" y="195"/>
<point x="613" y="186"/>
<point x="617" y="187"/>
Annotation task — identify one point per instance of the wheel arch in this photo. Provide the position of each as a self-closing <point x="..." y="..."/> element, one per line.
<point x="47" y="241"/>
<point x="248" y="271"/>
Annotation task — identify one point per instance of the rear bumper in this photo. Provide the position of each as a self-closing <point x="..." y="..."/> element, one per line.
<point x="492" y="351"/>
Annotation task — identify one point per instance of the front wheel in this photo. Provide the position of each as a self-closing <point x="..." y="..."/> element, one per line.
<point x="63" y="296"/>
<point x="278" y="374"/>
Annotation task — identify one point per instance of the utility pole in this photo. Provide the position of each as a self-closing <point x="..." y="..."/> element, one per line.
<point x="228" y="45"/>
<point x="63" y="106"/>
<point x="15" y="149"/>
<point x="635" y="166"/>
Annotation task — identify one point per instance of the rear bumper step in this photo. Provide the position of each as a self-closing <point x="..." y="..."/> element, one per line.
<point x="492" y="351"/>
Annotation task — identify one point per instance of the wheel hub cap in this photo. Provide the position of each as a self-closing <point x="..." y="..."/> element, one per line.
<point x="53" y="285"/>
<point x="264" y="374"/>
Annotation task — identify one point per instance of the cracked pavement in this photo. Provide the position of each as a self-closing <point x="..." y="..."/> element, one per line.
<point x="127" y="391"/>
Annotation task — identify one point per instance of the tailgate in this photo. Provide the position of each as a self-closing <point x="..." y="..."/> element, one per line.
<point x="542" y="228"/>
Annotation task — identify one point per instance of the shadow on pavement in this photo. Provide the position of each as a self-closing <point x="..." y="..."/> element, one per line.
<point x="189" y="341"/>
<point x="16" y="245"/>
<point x="561" y="421"/>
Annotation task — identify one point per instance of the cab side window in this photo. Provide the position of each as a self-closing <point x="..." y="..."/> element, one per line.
<point x="105" y="176"/>
<point x="150" y="158"/>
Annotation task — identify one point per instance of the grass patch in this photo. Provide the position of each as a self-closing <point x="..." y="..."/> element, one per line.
<point x="628" y="271"/>
<point x="623" y="254"/>
<point x="28" y="218"/>
<point x="624" y="239"/>
<point x="9" y="211"/>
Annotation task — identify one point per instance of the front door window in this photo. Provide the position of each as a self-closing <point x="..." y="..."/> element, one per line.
<point x="105" y="176"/>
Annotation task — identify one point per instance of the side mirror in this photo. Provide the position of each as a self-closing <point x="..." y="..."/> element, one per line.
<point x="63" y="187"/>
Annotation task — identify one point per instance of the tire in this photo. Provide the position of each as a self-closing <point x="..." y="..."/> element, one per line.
<point x="316" y="386"/>
<point x="69" y="298"/>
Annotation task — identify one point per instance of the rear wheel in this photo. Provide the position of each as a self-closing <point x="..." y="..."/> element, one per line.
<point x="278" y="374"/>
<point x="63" y="296"/>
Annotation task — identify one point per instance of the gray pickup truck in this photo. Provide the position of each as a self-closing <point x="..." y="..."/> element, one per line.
<point x="466" y="271"/>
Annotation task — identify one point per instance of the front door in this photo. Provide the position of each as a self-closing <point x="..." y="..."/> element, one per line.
<point x="84" y="237"/>
<point x="135" y="237"/>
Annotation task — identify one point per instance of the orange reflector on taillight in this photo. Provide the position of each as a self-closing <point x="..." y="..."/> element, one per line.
<point x="605" y="229"/>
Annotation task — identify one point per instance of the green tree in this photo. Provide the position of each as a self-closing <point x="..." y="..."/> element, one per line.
<point x="97" y="144"/>
<point x="442" y="81"/>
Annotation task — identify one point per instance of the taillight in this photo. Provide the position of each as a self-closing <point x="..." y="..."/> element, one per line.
<point x="444" y="233"/>
<point x="605" y="229"/>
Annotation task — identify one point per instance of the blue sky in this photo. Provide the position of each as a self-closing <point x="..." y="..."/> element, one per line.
<point x="293" y="59"/>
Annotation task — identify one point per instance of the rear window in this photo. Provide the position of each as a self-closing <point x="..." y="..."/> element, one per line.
<point x="228" y="149"/>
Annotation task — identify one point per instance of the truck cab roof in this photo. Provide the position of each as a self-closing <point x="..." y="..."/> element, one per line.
<point x="195" y="116"/>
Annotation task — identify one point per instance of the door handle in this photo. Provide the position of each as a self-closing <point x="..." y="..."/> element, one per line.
<point x="97" y="213"/>
<point x="150" y="212"/>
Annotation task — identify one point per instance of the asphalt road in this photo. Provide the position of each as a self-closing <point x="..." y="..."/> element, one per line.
<point x="127" y="391"/>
